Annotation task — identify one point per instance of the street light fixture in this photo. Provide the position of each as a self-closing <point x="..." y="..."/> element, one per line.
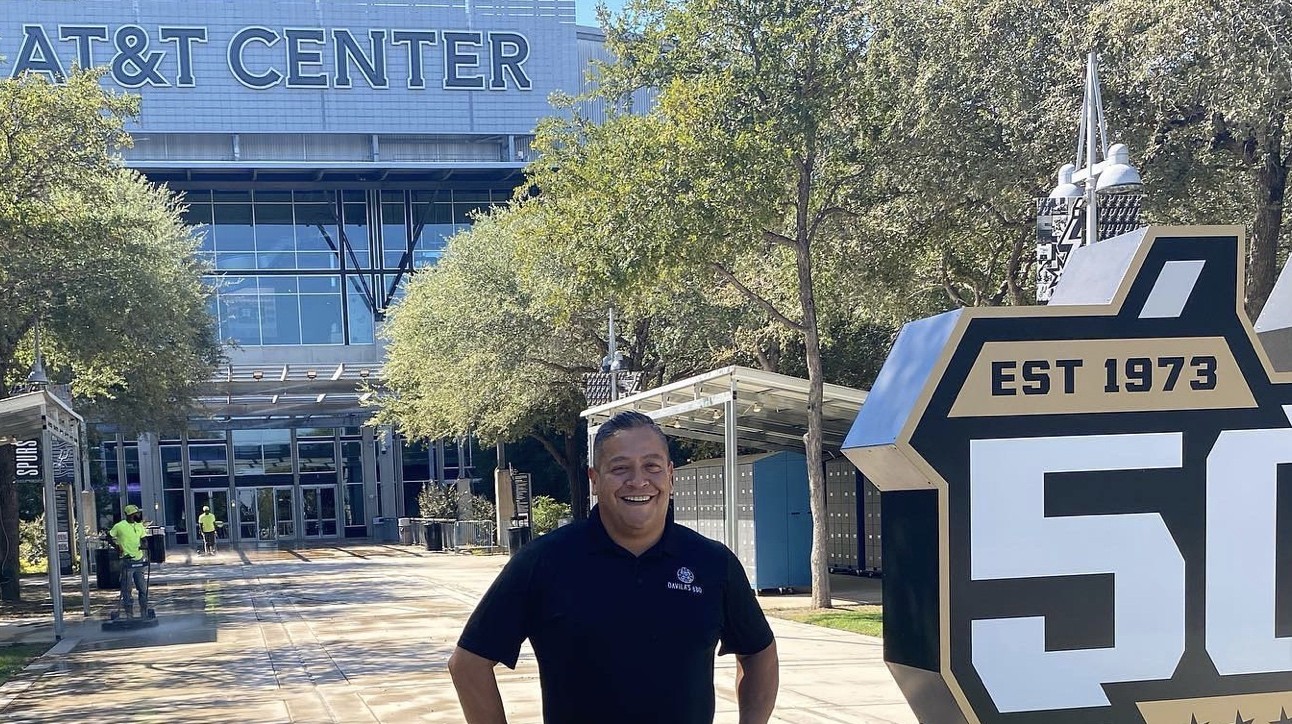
<point x="1099" y="168"/>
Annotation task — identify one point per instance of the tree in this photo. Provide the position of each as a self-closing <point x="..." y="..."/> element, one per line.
<point x="102" y="260"/>
<point x="1210" y="82"/>
<point x="477" y="348"/>
<point x="741" y="175"/>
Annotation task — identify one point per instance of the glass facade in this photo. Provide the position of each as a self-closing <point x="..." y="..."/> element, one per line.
<point x="308" y="267"/>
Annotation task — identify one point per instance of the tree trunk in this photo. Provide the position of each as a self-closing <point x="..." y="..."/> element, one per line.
<point x="9" y="588"/>
<point x="816" y="390"/>
<point x="1262" y="255"/>
<point x="577" y="475"/>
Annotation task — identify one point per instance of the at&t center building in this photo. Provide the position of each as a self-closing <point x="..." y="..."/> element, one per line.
<point x="328" y="149"/>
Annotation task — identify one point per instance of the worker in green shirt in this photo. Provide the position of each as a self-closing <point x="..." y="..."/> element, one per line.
<point x="127" y="535"/>
<point x="206" y="521"/>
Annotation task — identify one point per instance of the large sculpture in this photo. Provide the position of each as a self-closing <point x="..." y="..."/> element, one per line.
<point x="1088" y="505"/>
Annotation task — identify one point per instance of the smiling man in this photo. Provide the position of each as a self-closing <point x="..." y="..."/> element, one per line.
<point x="624" y="610"/>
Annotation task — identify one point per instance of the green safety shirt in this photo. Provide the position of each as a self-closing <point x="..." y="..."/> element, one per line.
<point x="129" y="535"/>
<point x="207" y="521"/>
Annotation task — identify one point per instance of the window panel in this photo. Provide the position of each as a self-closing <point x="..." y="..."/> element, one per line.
<point x="240" y="317"/>
<point x="352" y="461"/>
<point x="394" y="234"/>
<point x="274" y="228"/>
<point x="320" y="284"/>
<point x="235" y="261"/>
<point x="321" y="319"/>
<point x="232" y="228"/>
<point x="316" y="228"/>
<point x="280" y="319"/>
<point x="362" y="318"/>
<point x="355" y="232"/>
<point x="172" y="467"/>
<point x="208" y="461"/>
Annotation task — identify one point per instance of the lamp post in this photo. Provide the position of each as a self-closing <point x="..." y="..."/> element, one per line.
<point x="1099" y="168"/>
<point x="614" y="360"/>
<point x="1099" y="174"/>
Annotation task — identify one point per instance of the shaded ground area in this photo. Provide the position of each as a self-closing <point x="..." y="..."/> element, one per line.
<point x="357" y="634"/>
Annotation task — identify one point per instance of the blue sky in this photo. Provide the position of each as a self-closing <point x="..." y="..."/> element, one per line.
<point x="585" y="11"/>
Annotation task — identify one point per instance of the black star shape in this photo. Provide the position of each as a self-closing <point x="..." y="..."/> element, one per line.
<point x="1283" y="717"/>
<point x="1238" y="718"/>
<point x="1193" y="719"/>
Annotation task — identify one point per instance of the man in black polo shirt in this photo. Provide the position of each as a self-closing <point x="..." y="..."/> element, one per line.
<point x="624" y="610"/>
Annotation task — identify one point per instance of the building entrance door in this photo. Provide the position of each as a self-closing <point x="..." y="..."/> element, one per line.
<point x="218" y="501"/>
<point x="266" y="514"/>
<point x="318" y="511"/>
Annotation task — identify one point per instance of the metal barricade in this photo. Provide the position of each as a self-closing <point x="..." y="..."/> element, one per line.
<point x="472" y="534"/>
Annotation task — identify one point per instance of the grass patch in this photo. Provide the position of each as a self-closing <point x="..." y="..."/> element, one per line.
<point x="867" y="620"/>
<point x="13" y="658"/>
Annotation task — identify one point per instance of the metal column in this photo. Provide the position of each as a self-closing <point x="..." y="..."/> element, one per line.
<point x="729" y="452"/>
<point x="80" y="476"/>
<point x="51" y="528"/>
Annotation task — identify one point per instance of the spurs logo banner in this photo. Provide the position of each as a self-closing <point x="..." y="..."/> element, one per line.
<point x="1088" y="506"/>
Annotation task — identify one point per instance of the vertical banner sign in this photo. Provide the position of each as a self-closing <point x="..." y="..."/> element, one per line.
<point x="63" y="518"/>
<point x="1088" y="505"/>
<point x="28" y="456"/>
<point x="520" y="482"/>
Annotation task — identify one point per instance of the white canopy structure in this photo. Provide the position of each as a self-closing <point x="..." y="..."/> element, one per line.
<point x="740" y="407"/>
<point x="44" y="417"/>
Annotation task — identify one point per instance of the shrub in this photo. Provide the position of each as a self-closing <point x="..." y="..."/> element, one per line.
<point x="545" y="513"/>
<point x="31" y="541"/>
<point x="441" y="501"/>
<point x="438" y="501"/>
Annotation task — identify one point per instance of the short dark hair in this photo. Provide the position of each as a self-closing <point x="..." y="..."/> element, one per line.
<point x="627" y="420"/>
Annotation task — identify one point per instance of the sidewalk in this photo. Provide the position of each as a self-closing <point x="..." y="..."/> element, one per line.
<point x="361" y="634"/>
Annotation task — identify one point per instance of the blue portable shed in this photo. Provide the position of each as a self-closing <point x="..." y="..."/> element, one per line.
<point x="774" y="529"/>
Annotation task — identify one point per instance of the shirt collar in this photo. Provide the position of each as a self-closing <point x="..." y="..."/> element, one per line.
<point x="668" y="543"/>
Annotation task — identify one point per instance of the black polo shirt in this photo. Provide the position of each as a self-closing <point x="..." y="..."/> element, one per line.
<point x="620" y="638"/>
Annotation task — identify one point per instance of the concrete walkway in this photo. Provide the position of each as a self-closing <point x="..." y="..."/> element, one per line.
<point x="359" y="634"/>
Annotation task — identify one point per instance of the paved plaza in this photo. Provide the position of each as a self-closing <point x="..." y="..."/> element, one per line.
<point x="361" y="634"/>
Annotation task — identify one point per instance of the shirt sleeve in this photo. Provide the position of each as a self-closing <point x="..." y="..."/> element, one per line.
<point x="744" y="627"/>
<point x="500" y="622"/>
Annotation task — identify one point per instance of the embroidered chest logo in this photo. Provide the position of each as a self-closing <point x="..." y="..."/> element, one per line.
<point x="685" y="581"/>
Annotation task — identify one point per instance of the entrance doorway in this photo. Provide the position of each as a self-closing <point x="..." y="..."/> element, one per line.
<point x="266" y="514"/>
<point x="318" y="511"/>
<point x="218" y="500"/>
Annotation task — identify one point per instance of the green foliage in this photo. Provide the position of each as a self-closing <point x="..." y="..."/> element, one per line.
<point x="481" y="508"/>
<point x="14" y="658"/>
<point x="1206" y="86"/>
<point x="545" y="514"/>
<point x="100" y="260"/>
<point x="442" y="501"/>
<point x="99" y="256"/>
<point x="437" y="501"/>
<point x="31" y="541"/>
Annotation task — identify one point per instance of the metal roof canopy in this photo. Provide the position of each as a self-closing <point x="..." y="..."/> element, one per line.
<point x="42" y="415"/>
<point x="770" y="408"/>
<point x="737" y="406"/>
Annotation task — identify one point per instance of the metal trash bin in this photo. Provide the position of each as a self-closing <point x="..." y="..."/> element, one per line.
<point x="107" y="569"/>
<point x="156" y="544"/>
<point x="405" y="531"/>
<point x="517" y="536"/>
<point x="385" y="530"/>
<point x="434" y="536"/>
